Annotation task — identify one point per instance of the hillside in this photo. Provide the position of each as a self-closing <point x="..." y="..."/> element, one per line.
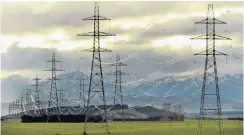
<point x="174" y="90"/>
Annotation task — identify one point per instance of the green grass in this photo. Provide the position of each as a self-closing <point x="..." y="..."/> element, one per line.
<point x="188" y="127"/>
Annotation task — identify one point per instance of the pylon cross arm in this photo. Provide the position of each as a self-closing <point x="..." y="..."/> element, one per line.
<point x="53" y="79"/>
<point x="106" y="34"/>
<point x="210" y="53"/>
<point x="210" y="21"/>
<point x="36" y="85"/>
<point x="54" y="60"/>
<point x="118" y="64"/>
<point x="96" y="50"/>
<point x="211" y="36"/>
<point x="54" y="70"/>
<point x="96" y="34"/>
<point x="36" y="79"/>
<point x="221" y="37"/>
<point x="87" y="34"/>
<point x="220" y="53"/>
<point x="96" y="18"/>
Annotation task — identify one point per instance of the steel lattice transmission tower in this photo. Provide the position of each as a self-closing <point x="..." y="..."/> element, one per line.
<point x="96" y="77"/>
<point x="118" y="93"/>
<point x="17" y="106"/>
<point x="13" y="107"/>
<point x="21" y="103"/>
<point x="61" y="95"/>
<point x="37" y="93"/>
<point x="27" y="100"/>
<point x="82" y="85"/>
<point x="210" y="87"/>
<point x="10" y="110"/>
<point x="53" y="95"/>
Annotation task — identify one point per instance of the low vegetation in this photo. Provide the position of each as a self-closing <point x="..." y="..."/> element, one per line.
<point x="187" y="127"/>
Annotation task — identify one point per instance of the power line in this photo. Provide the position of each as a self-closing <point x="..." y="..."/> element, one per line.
<point x="61" y="96"/>
<point x="82" y="89"/>
<point x="53" y="97"/>
<point x="118" y="94"/>
<point x="21" y="103"/>
<point x="27" y="100"/>
<point x="210" y="71"/>
<point x="17" y="106"/>
<point x="14" y="107"/>
<point x="9" y="110"/>
<point x="37" y="93"/>
<point x="96" y="84"/>
<point x="238" y="84"/>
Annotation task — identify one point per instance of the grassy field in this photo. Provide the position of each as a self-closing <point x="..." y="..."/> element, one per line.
<point x="188" y="127"/>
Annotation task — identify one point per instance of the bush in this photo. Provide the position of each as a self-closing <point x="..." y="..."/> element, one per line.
<point x="171" y="117"/>
<point x="182" y="117"/>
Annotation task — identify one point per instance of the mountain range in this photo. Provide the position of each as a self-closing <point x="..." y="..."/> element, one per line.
<point x="183" y="90"/>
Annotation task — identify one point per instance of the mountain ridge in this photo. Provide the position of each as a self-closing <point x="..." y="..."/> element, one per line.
<point x="144" y="94"/>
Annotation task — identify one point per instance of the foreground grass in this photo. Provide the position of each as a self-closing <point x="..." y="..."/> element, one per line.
<point x="188" y="127"/>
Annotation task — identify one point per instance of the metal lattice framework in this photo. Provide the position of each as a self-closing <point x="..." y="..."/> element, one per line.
<point x="53" y="97"/>
<point x="82" y="85"/>
<point x="96" y="84"/>
<point x="28" y="103"/>
<point x="118" y="93"/>
<point x="37" y="92"/>
<point x="10" y="110"/>
<point x="61" y="96"/>
<point x="14" y="107"/>
<point x="21" y="103"/>
<point x="210" y="87"/>
<point x="17" y="106"/>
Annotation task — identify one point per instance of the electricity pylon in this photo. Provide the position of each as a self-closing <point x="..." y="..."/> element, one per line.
<point x="96" y="77"/>
<point x="21" y="104"/>
<point x="118" y="93"/>
<point x="27" y="100"/>
<point x="210" y="87"/>
<point x="53" y="95"/>
<point x="61" y="95"/>
<point x="17" y="106"/>
<point x="13" y="107"/>
<point x="9" y="110"/>
<point x="82" y="85"/>
<point x="37" y="93"/>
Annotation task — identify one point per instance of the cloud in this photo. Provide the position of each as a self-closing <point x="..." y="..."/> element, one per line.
<point x="29" y="61"/>
<point x="158" y="33"/>
<point x="40" y="15"/>
<point x="28" y="73"/>
<point x="136" y="28"/>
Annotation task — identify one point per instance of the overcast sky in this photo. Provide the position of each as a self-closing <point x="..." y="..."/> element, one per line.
<point x="154" y="33"/>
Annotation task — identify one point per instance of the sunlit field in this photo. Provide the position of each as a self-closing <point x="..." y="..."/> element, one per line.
<point x="187" y="127"/>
